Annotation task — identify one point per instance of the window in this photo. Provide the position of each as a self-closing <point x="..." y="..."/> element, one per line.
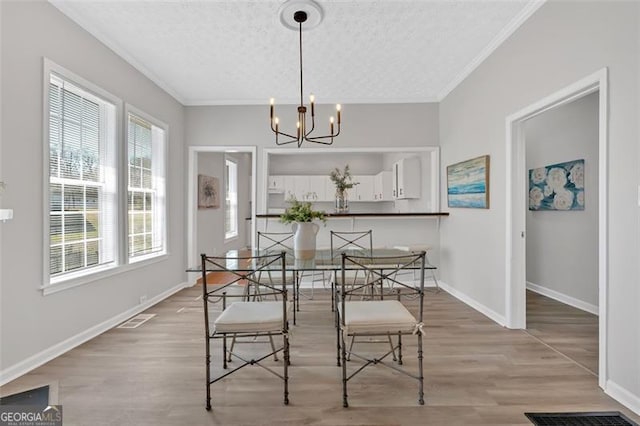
<point x="146" y="188"/>
<point x="231" y="199"/>
<point x="82" y="180"/>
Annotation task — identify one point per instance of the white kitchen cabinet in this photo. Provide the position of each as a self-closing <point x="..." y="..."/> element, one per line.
<point x="317" y="186"/>
<point x="406" y="178"/>
<point x="383" y="186"/>
<point x="276" y="185"/>
<point x="304" y="188"/>
<point x="364" y="190"/>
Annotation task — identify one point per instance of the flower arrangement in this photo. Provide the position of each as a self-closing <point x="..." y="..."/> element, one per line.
<point x="301" y="211"/>
<point x="342" y="179"/>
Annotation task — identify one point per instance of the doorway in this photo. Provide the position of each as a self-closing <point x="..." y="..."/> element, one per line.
<point x="517" y="202"/>
<point x="561" y="148"/>
<point x="227" y="221"/>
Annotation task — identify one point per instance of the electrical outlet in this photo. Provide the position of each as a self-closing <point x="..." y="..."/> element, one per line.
<point x="143" y="299"/>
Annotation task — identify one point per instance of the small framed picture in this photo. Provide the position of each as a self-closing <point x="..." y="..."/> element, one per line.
<point x="208" y="192"/>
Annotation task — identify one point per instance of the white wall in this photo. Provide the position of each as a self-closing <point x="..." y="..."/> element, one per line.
<point x="210" y="222"/>
<point x="560" y="44"/>
<point x="31" y="322"/>
<point x="562" y="247"/>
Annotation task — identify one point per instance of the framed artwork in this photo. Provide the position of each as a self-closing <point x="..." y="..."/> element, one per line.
<point x="468" y="183"/>
<point x="208" y="192"/>
<point x="557" y="187"/>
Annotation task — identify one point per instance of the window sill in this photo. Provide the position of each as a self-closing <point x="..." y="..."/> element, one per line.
<point x="100" y="275"/>
<point x="231" y="238"/>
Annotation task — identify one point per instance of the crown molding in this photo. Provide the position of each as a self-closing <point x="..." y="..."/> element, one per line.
<point x="63" y="7"/>
<point x="502" y="36"/>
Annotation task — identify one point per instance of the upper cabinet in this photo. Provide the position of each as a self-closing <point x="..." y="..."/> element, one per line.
<point x="406" y="178"/>
<point x="276" y="185"/>
<point x="383" y="186"/>
<point x="364" y="190"/>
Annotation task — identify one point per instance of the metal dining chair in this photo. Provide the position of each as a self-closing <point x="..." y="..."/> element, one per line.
<point x="379" y="317"/>
<point x="245" y="318"/>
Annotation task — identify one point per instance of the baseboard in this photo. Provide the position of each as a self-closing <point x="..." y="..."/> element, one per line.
<point x="623" y="396"/>
<point x="463" y="297"/>
<point x="563" y="298"/>
<point x="58" y="349"/>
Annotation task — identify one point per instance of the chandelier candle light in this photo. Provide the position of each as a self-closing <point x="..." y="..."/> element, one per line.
<point x="303" y="133"/>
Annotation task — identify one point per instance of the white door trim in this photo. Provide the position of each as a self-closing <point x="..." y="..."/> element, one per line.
<point x="516" y="202"/>
<point x="192" y="196"/>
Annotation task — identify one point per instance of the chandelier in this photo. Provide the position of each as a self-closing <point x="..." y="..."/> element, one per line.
<point x="302" y="11"/>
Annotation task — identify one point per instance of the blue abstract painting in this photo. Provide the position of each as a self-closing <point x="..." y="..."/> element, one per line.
<point x="468" y="183"/>
<point x="557" y="187"/>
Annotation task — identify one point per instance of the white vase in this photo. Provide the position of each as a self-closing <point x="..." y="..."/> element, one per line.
<point x="304" y="240"/>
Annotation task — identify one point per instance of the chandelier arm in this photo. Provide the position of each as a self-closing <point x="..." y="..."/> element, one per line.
<point x="292" y="140"/>
<point x="286" y="134"/>
<point x="317" y="138"/>
<point x="312" y="140"/>
<point x="313" y="126"/>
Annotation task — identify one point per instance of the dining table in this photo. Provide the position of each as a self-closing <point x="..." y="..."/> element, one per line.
<point x="324" y="260"/>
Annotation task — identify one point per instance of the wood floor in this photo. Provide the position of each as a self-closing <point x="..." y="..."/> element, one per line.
<point x="569" y="330"/>
<point x="476" y="373"/>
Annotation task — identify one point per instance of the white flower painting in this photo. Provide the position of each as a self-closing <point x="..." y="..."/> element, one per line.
<point x="557" y="187"/>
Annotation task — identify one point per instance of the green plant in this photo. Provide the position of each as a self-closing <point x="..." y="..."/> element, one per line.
<point x="342" y="179"/>
<point x="301" y="211"/>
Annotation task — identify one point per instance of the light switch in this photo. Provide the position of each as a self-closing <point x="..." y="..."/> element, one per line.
<point x="6" y="214"/>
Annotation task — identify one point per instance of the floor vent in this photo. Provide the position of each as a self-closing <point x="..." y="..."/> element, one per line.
<point x="614" y="418"/>
<point x="136" y="321"/>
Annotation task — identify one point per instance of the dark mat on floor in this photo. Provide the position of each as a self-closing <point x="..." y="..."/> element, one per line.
<point x="37" y="396"/>
<point x="608" y="418"/>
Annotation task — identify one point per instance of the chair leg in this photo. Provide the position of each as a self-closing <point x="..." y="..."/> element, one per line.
<point x="285" y="338"/>
<point x="224" y="351"/>
<point x="393" y="350"/>
<point x="273" y="348"/>
<point x="353" y="339"/>
<point x="420" y="372"/>
<point x="399" y="348"/>
<point x="345" y="402"/>
<point x="337" y="323"/>
<point x="233" y="343"/>
<point x="208" y="374"/>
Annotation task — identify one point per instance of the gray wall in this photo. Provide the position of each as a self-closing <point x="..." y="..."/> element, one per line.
<point x="32" y="322"/>
<point x="210" y="222"/>
<point x="562" y="247"/>
<point x="560" y="44"/>
<point x="400" y="125"/>
<point x="363" y="126"/>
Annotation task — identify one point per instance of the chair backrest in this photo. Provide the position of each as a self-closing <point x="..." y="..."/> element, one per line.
<point x="274" y="242"/>
<point x="244" y="270"/>
<point x="380" y="268"/>
<point x="357" y="242"/>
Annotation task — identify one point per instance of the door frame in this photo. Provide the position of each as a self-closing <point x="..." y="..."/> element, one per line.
<point x="192" y="196"/>
<point x="516" y="202"/>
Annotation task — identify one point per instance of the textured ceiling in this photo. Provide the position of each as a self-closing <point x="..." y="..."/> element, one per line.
<point x="364" y="51"/>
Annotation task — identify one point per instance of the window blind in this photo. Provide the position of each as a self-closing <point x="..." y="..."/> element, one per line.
<point x="82" y="202"/>
<point x="146" y="188"/>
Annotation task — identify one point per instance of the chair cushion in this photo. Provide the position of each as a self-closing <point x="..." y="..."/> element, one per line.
<point x="241" y="317"/>
<point x="377" y="316"/>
